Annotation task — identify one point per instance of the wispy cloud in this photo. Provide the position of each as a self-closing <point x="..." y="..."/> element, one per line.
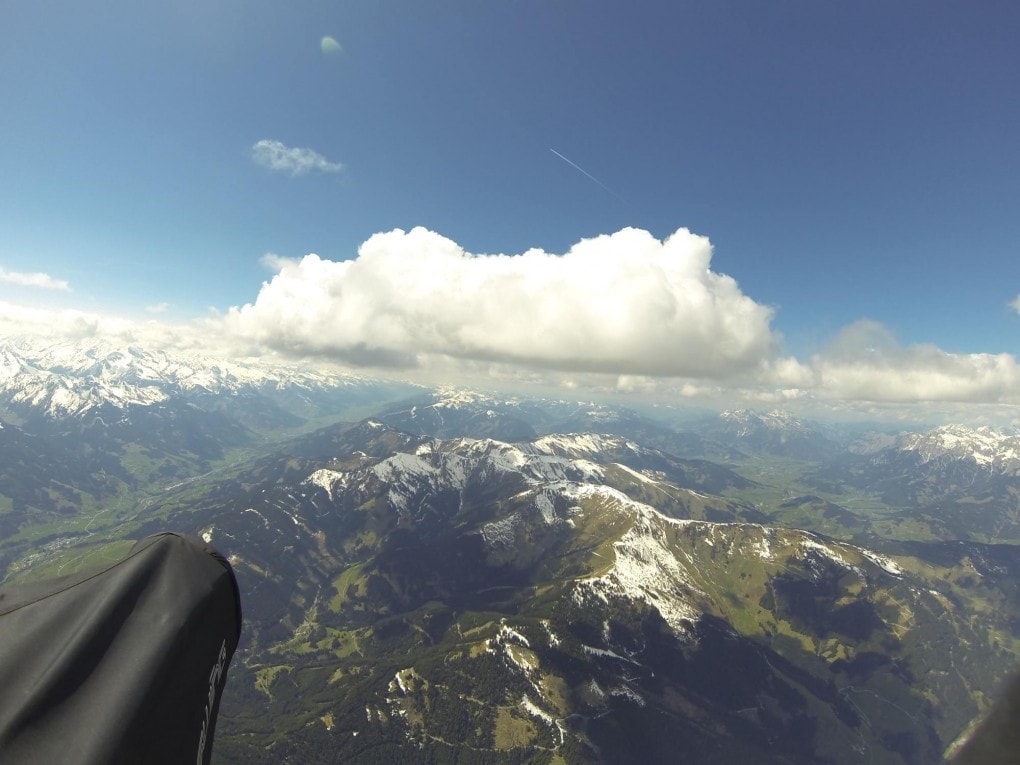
<point x="275" y="263"/>
<point x="1015" y="304"/>
<point x="36" y="279"/>
<point x="158" y="308"/>
<point x="295" y="161"/>
<point x="330" y="46"/>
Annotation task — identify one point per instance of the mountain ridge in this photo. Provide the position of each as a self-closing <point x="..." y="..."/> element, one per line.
<point x="457" y="578"/>
<point x="451" y="531"/>
<point x="72" y="379"/>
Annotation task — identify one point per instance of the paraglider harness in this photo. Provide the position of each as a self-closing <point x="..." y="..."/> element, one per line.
<point x="122" y="664"/>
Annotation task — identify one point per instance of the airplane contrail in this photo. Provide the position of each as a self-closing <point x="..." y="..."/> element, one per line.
<point x="589" y="175"/>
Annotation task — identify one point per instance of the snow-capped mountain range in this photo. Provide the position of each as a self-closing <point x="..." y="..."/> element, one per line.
<point x="565" y="481"/>
<point x="747" y="421"/>
<point x="993" y="450"/>
<point x="561" y="563"/>
<point x="68" y="379"/>
<point x="775" y="432"/>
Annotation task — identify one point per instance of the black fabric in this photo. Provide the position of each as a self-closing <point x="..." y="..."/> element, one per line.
<point x="996" y="739"/>
<point x="125" y="664"/>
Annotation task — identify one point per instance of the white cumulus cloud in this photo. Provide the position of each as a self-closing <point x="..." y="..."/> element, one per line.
<point x="40" y="280"/>
<point x="866" y="363"/>
<point x="624" y="303"/>
<point x="287" y="159"/>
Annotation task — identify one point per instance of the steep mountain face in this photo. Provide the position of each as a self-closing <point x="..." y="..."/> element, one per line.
<point x="777" y="432"/>
<point x="960" y="482"/>
<point x="949" y="446"/>
<point x="569" y="599"/>
<point x="946" y="456"/>
<point x="702" y="474"/>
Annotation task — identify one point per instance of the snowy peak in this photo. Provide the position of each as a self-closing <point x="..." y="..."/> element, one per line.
<point x="448" y="397"/>
<point x="748" y="421"/>
<point x="997" y="451"/>
<point x="776" y="432"/>
<point x="68" y="379"/>
<point x="584" y="445"/>
<point x="525" y="498"/>
<point x="437" y="465"/>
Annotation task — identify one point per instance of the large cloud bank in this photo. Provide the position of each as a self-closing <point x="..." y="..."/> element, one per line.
<point x="624" y="303"/>
<point x="70" y="324"/>
<point x="618" y="314"/>
<point x="866" y="363"/>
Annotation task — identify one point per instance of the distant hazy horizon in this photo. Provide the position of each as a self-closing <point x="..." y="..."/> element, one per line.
<point x="810" y="206"/>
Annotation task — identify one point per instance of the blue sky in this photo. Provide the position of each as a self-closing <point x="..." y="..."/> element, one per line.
<point x="847" y="161"/>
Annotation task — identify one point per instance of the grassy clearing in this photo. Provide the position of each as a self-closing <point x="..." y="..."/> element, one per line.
<point x="343" y="643"/>
<point x="511" y="731"/>
<point x="349" y="577"/>
<point x="137" y="461"/>
<point x="556" y="691"/>
<point x="265" y="677"/>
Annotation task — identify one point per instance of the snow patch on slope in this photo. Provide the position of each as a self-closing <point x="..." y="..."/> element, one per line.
<point x="645" y="568"/>
<point x="583" y="444"/>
